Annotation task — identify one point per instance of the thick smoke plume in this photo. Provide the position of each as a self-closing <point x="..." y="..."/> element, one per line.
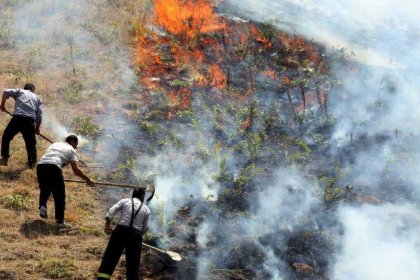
<point x="377" y="120"/>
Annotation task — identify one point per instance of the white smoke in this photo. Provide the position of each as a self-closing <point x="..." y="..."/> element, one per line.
<point x="380" y="242"/>
<point x="378" y="100"/>
<point x="84" y="62"/>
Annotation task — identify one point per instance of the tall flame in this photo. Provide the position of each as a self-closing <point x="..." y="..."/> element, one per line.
<point x="187" y="17"/>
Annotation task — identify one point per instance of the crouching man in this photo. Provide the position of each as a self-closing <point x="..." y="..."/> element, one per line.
<point x="128" y="235"/>
<point x="51" y="180"/>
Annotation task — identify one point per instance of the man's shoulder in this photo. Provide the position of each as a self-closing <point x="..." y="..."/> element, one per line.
<point x="64" y="147"/>
<point x="125" y="200"/>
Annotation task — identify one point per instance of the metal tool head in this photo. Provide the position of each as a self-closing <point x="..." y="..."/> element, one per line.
<point x="174" y="256"/>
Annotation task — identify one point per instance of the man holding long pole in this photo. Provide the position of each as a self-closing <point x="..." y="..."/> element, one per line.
<point x="133" y="224"/>
<point x="51" y="180"/>
<point x="27" y="118"/>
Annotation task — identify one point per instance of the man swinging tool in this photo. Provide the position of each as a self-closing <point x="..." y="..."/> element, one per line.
<point x="27" y="118"/>
<point x="51" y="180"/>
<point x="133" y="224"/>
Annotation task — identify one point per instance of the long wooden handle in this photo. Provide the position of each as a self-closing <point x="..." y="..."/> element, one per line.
<point x="173" y="255"/>
<point x="49" y="140"/>
<point x="154" y="248"/>
<point x="104" y="184"/>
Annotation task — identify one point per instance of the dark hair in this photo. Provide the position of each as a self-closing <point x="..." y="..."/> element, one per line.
<point x="72" y="138"/>
<point x="139" y="192"/>
<point x="30" y="87"/>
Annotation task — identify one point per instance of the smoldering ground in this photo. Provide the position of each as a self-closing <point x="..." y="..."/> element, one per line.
<point x="376" y="113"/>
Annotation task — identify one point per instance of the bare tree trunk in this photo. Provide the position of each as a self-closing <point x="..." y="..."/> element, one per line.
<point x="250" y="79"/>
<point x="290" y="101"/>
<point x="325" y="103"/>
<point x="228" y="78"/>
<point x="72" y="57"/>
<point x="318" y="96"/>
<point x="302" y="93"/>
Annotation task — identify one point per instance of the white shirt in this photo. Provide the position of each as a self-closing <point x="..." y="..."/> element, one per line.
<point x="141" y="222"/>
<point x="59" y="153"/>
<point x="27" y="103"/>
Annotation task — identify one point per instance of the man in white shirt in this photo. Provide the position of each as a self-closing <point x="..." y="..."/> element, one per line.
<point x="128" y="235"/>
<point x="50" y="176"/>
<point x="27" y="118"/>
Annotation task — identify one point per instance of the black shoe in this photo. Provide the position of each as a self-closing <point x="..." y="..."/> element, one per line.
<point x="63" y="225"/>
<point x="43" y="212"/>
<point x="3" y="161"/>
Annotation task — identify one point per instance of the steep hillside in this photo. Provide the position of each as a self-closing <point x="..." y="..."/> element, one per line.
<point x="271" y="154"/>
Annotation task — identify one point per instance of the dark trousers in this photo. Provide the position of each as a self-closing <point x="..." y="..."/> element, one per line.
<point x="122" y="237"/>
<point x="51" y="180"/>
<point x="26" y="126"/>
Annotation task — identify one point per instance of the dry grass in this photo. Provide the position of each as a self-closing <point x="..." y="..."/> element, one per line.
<point x="33" y="248"/>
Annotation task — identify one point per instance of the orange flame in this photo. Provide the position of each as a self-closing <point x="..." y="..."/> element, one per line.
<point x="271" y="74"/>
<point x="187" y="17"/>
<point x="218" y="78"/>
<point x="180" y="99"/>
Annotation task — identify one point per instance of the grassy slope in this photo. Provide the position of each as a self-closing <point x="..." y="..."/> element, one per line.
<point x="32" y="248"/>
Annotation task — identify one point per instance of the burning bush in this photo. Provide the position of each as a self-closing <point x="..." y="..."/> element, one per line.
<point x="187" y="18"/>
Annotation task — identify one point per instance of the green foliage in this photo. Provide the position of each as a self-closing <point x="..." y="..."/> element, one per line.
<point x="240" y="115"/>
<point x="247" y="174"/>
<point x="128" y="165"/>
<point x="149" y="127"/>
<point x="203" y="152"/>
<point x="297" y="151"/>
<point x="331" y="192"/>
<point x="160" y="211"/>
<point x="93" y="231"/>
<point x="179" y="83"/>
<point x="73" y="92"/>
<point x="20" y="74"/>
<point x="18" y="202"/>
<point x="95" y="250"/>
<point x="34" y="57"/>
<point x="305" y="117"/>
<point x="84" y="125"/>
<point x="223" y="175"/>
<point x="268" y="31"/>
<point x="58" y="268"/>
<point x="4" y="31"/>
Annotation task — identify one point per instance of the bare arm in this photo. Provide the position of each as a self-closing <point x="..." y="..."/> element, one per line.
<point x="146" y="224"/>
<point x="37" y="126"/>
<point x="3" y="102"/>
<point x="38" y="118"/>
<point x="107" y="226"/>
<point x="80" y="173"/>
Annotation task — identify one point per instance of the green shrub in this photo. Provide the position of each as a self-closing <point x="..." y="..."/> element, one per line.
<point x="17" y="202"/>
<point x="58" y="268"/>
<point x="85" y="126"/>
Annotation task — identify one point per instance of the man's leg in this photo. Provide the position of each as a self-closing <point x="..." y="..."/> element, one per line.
<point x="112" y="254"/>
<point x="9" y="133"/>
<point x="59" y="193"/>
<point x="132" y="254"/>
<point x="28" y="133"/>
<point x="43" y="173"/>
